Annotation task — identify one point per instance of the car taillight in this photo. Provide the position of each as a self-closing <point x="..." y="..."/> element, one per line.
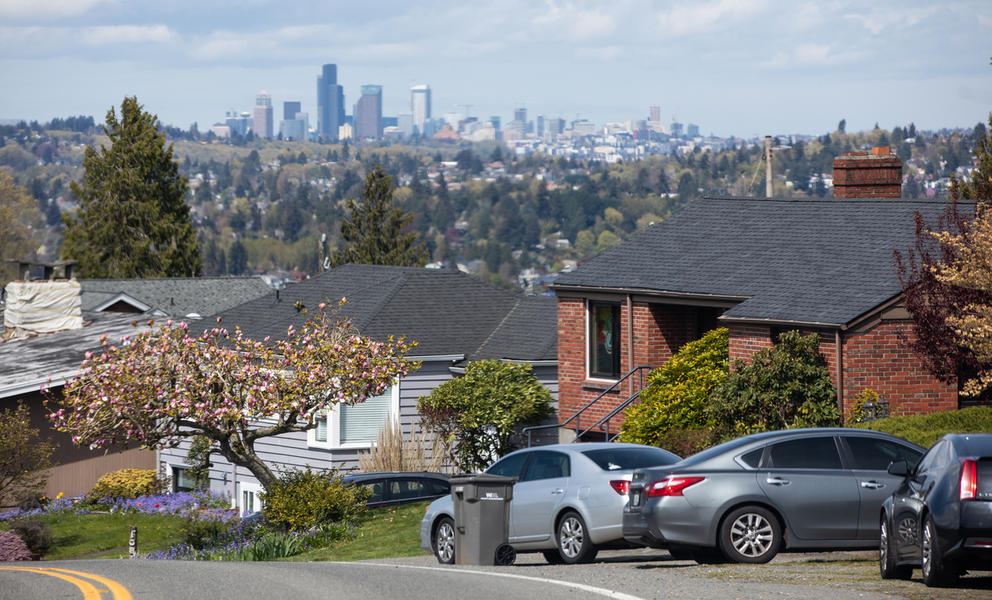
<point x="969" y="479"/>
<point x="620" y="486"/>
<point x="670" y="486"/>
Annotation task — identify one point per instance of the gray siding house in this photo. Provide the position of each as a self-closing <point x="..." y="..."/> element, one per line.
<point x="453" y="317"/>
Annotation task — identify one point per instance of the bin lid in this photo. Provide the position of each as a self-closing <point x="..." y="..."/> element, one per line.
<point x="484" y="478"/>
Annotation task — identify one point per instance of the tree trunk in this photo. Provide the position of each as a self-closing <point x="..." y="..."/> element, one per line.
<point x="243" y="456"/>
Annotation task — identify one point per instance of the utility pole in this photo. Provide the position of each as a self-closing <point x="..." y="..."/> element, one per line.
<point x="768" y="166"/>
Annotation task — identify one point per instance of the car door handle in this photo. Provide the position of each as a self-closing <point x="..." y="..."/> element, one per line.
<point x="557" y="491"/>
<point x="872" y="485"/>
<point x="777" y="481"/>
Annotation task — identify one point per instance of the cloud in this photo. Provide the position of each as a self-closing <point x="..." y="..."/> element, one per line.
<point x="566" y="21"/>
<point x="47" y="9"/>
<point x="221" y="45"/>
<point x="809" y="55"/>
<point x="126" y="34"/>
<point x="876" y="20"/>
<point x="696" y="17"/>
<point x="599" y="53"/>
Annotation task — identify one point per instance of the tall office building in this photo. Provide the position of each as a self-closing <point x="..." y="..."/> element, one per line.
<point x="420" y="106"/>
<point x="655" y="113"/>
<point x="289" y="110"/>
<point x="520" y="114"/>
<point x="368" y="113"/>
<point x="540" y="125"/>
<point x="263" y="115"/>
<point x="330" y="103"/>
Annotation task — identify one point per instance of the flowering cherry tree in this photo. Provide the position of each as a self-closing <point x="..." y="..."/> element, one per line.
<point x="162" y="385"/>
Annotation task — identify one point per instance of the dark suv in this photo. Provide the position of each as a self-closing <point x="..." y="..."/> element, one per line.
<point x="940" y="516"/>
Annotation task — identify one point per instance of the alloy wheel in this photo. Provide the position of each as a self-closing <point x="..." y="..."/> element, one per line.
<point x="571" y="537"/>
<point x="444" y="542"/>
<point x="926" y="552"/>
<point x="751" y="535"/>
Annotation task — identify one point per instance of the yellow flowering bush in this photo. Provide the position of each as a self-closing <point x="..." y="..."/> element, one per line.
<point x="127" y="483"/>
<point x="303" y="499"/>
<point x="678" y="392"/>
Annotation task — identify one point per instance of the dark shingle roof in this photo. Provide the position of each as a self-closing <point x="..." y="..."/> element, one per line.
<point x="446" y="312"/>
<point x="810" y="261"/>
<point x="176" y="296"/>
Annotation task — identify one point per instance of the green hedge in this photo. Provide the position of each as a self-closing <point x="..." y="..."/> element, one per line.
<point x="927" y="429"/>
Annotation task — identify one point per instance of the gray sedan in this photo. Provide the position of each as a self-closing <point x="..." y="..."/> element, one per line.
<point x="744" y="499"/>
<point x="567" y="503"/>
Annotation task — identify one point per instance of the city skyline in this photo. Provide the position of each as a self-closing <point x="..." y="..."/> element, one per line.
<point x="743" y="68"/>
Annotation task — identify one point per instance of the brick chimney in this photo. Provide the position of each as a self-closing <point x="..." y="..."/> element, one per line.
<point x="877" y="174"/>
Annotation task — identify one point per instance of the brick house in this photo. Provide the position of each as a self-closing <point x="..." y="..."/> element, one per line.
<point x="758" y="266"/>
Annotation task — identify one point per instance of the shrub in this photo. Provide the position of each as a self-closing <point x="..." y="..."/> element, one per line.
<point x="37" y="535"/>
<point x="303" y="499"/>
<point x="481" y="411"/>
<point x="205" y="533"/>
<point x="12" y="547"/>
<point x="685" y="442"/>
<point x="24" y="456"/>
<point x="783" y="387"/>
<point x="678" y="392"/>
<point x="927" y="429"/>
<point x="127" y="483"/>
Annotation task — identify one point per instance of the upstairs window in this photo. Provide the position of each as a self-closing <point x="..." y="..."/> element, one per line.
<point x="604" y="340"/>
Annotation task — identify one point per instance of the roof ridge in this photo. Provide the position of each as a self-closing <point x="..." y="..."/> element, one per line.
<point x="400" y="281"/>
<point x="499" y="325"/>
<point x="832" y="200"/>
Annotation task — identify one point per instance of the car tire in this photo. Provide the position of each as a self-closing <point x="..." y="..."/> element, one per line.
<point x="887" y="566"/>
<point x="936" y="572"/>
<point x="750" y="534"/>
<point x="552" y="557"/>
<point x="572" y="537"/>
<point x="443" y="541"/>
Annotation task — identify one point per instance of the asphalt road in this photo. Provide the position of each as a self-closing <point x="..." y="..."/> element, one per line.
<point x="621" y="575"/>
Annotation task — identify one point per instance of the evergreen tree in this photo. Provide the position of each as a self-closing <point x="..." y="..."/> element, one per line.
<point x="374" y="230"/>
<point x="132" y="219"/>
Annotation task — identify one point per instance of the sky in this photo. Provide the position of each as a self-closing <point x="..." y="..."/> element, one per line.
<point x="734" y="67"/>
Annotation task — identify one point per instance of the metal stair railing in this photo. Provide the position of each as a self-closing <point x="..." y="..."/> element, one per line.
<point x="576" y="417"/>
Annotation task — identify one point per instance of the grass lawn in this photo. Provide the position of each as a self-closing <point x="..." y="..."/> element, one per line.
<point x="382" y="533"/>
<point x="106" y="535"/>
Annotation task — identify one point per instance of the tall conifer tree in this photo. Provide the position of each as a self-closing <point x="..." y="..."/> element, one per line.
<point x="374" y="229"/>
<point x="132" y="220"/>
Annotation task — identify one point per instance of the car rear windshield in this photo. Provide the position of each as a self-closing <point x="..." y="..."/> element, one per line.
<point x="617" y="459"/>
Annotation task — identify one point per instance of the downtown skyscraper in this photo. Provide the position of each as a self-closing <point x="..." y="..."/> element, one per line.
<point x="330" y="103"/>
<point x="368" y="113"/>
<point x="262" y="122"/>
<point x="420" y="106"/>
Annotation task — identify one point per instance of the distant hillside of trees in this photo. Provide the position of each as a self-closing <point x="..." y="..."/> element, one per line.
<point x="265" y="205"/>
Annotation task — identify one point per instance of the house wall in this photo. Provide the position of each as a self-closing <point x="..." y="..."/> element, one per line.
<point x="290" y="451"/>
<point x="76" y="469"/>
<point x="880" y="358"/>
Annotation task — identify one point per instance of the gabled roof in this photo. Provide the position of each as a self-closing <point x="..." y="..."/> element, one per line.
<point x="811" y="261"/>
<point x="447" y="312"/>
<point x="172" y="296"/>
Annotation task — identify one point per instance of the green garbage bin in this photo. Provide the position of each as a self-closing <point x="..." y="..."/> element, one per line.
<point x="482" y="519"/>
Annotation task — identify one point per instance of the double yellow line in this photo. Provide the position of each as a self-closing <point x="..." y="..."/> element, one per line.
<point x="90" y="591"/>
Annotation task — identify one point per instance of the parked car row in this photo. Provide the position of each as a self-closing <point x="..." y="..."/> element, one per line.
<point x="752" y="497"/>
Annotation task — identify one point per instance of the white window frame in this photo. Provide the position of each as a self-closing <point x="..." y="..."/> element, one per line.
<point x="334" y="429"/>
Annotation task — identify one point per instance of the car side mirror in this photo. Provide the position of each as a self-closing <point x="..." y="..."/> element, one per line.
<point x="899" y="468"/>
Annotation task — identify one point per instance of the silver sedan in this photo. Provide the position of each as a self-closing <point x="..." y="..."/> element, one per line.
<point x="745" y="499"/>
<point x="567" y="503"/>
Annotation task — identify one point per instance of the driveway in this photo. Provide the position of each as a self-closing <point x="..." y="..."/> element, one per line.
<point x="650" y="574"/>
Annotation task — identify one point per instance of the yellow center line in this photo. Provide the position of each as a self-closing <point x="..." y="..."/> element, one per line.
<point x="90" y="592"/>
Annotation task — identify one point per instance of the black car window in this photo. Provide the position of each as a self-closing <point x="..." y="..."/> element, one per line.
<point x="439" y="487"/>
<point x="375" y="489"/>
<point x="805" y="453"/>
<point x="752" y="458"/>
<point x="547" y="465"/>
<point x="933" y="459"/>
<point x="876" y="455"/>
<point x="620" y="458"/>
<point x="509" y="466"/>
<point x="400" y="489"/>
